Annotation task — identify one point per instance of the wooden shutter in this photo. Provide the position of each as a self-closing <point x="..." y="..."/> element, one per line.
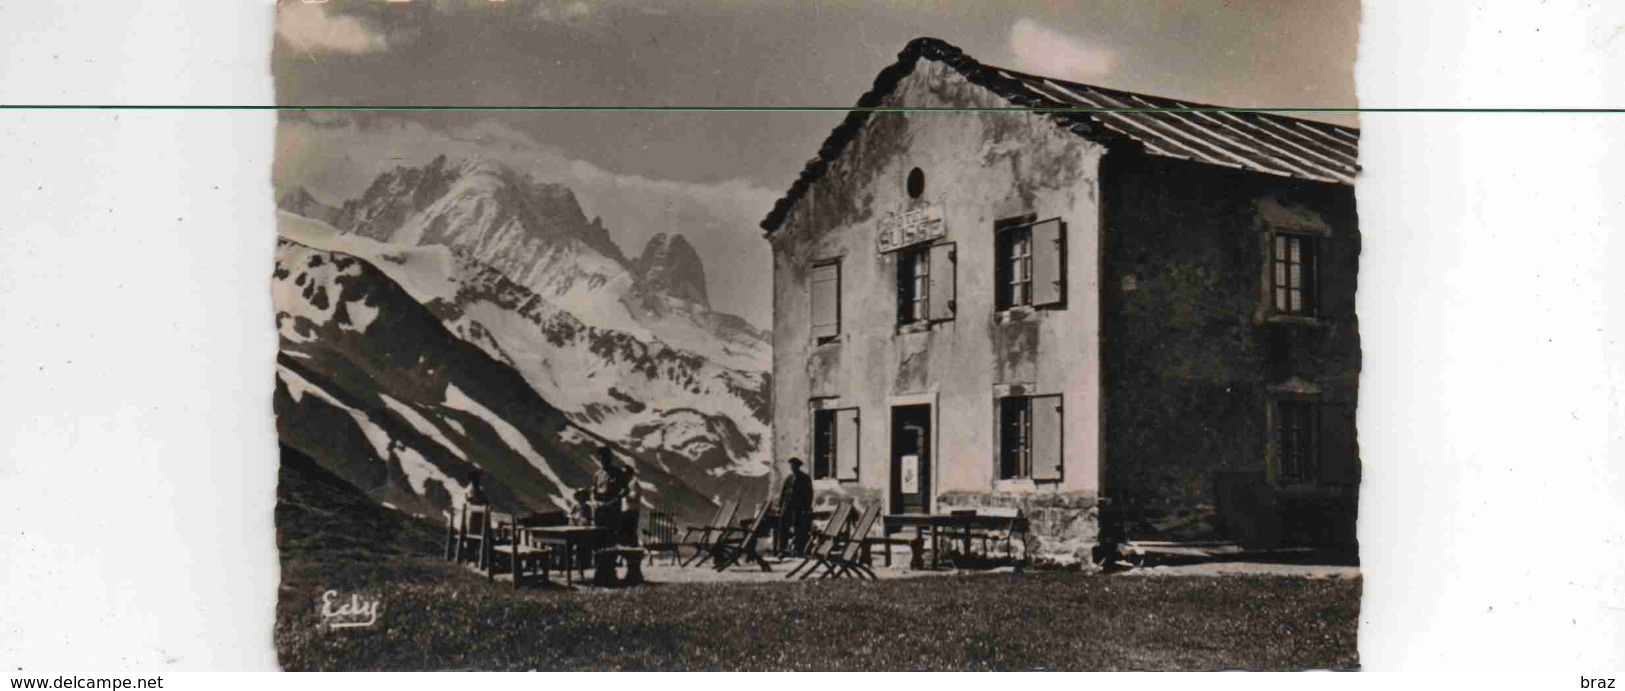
<point x="942" y="265"/>
<point x="1339" y="455"/>
<point x="1049" y="262"/>
<point x="1046" y="440"/>
<point x="826" y="300"/>
<point x="846" y="444"/>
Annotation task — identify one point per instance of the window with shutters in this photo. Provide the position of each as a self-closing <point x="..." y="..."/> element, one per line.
<point x="913" y="285"/>
<point x="1030" y="438"/>
<point x="1016" y="259"/>
<point x="1293" y="268"/>
<point x="823" y="465"/>
<point x="826" y="302"/>
<point x="835" y="444"/>
<point x="925" y="284"/>
<point x="1030" y="263"/>
<point x="1015" y="438"/>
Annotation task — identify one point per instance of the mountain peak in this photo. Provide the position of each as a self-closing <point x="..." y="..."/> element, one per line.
<point x="299" y="201"/>
<point x="459" y="203"/>
<point x="671" y="265"/>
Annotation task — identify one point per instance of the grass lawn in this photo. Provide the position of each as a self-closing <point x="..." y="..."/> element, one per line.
<point x="438" y="616"/>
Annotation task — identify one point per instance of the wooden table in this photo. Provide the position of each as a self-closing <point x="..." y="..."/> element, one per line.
<point x="922" y="524"/>
<point x="947" y="527"/>
<point x="569" y="538"/>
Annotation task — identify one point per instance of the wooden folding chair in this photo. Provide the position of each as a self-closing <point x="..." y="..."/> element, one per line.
<point x="824" y="539"/>
<point x="846" y="558"/>
<point x="660" y="533"/>
<point x="741" y="543"/>
<point x="473" y="535"/>
<point x="709" y="534"/>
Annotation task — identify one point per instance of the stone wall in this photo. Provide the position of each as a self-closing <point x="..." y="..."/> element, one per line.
<point x="1064" y="527"/>
<point x="1191" y="357"/>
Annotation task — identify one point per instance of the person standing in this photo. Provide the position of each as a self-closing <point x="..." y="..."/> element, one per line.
<point x="631" y="507"/>
<point x="795" y="508"/>
<point x="608" y="489"/>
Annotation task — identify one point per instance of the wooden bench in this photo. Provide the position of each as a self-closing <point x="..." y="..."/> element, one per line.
<point x="604" y="566"/>
<point x="523" y="554"/>
<point x="915" y="545"/>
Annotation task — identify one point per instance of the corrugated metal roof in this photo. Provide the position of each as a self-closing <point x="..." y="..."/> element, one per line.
<point x="1266" y="143"/>
<point x="1260" y="142"/>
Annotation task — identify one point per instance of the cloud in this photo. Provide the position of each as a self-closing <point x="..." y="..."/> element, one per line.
<point x="569" y="12"/>
<point x="577" y="11"/>
<point x="1042" y="50"/>
<point x="335" y="157"/>
<point x="309" y="28"/>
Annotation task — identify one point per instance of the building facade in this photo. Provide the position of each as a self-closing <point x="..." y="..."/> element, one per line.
<point x="1126" y="326"/>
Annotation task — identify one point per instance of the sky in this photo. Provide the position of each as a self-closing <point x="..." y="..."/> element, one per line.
<point x="714" y="176"/>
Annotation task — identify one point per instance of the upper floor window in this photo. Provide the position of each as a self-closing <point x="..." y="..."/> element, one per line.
<point x="1293" y="263"/>
<point x="1031" y="269"/>
<point x="925" y="284"/>
<point x="826" y="302"/>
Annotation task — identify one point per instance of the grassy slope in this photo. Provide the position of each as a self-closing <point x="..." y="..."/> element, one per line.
<point x="437" y="616"/>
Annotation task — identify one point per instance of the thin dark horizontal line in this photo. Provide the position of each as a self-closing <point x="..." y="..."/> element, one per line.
<point x="786" y="109"/>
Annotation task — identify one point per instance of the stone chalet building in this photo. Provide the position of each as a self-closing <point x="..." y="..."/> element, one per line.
<point x="1130" y="326"/>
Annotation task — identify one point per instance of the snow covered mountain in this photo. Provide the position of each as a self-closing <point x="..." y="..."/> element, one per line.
<point x="627" y="350"/>
<point x="377" y="390"/>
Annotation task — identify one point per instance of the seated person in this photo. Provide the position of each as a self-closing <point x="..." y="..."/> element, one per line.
<point x="476" y="494"/>
<point x="581" y="513"/>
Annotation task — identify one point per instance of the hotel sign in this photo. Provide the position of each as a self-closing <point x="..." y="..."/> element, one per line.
<point x="897" y="230"/>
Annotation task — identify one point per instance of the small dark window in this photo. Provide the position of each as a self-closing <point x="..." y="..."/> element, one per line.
<point x="1295" y="441"/>
<point x="913" y="285"/>
<point x="1015" y="438"/>
<point x="835" y="444"/>
<point x="1293" y="274"/>
<point x="916" y="183"/>
<point x="1030" y="438"/>
<point x="824" y="431"/>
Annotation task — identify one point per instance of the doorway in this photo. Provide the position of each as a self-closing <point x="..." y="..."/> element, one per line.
<point x="911" y="459"/>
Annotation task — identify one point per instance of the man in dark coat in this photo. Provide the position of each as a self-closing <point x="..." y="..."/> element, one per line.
<point x="795" y="509"/>
<point x="626" y="533"/>
<point x="608" y="489"/>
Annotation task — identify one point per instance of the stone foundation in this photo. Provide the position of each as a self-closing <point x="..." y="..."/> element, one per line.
<point x="1064" y="527"/>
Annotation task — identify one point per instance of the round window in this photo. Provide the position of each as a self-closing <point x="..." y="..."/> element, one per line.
<point x="916" y="183"/>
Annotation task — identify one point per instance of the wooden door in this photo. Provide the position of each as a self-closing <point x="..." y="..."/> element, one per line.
<point x="911" y="459"/>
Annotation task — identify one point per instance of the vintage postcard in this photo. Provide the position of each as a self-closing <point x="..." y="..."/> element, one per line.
<point x="860" y="336"/>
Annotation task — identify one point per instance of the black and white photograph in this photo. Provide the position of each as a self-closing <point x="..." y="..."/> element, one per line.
<point x="1029" y="349"/>
<point x="1274" y="340"/>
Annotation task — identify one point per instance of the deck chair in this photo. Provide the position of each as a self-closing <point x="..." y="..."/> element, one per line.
<point x="660" y="533"/>
<point x="824" y="539"/>
<point x="850" y="558"/>
<point x="740" y="543"/>
<point x="846" y="559"/>
<point x="706" y="536"/>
